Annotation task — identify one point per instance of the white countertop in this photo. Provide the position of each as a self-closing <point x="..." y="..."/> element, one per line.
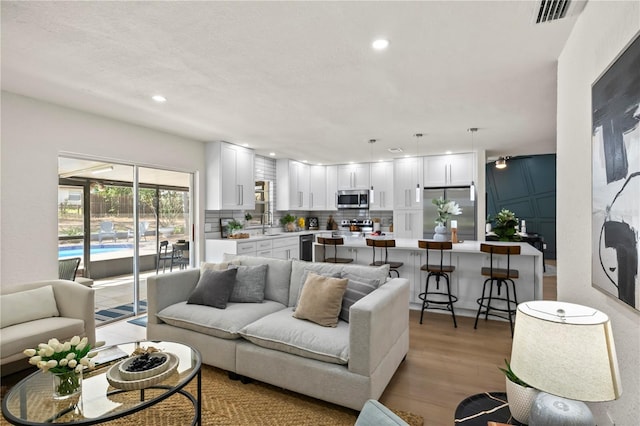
<point x="464" y="247"/>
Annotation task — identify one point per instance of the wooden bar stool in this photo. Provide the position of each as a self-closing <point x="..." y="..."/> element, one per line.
<point x="335" y="242"/>
<point x="499" y="277"/>
<point x="380" y="244"/>
<point x="442" y="300"/>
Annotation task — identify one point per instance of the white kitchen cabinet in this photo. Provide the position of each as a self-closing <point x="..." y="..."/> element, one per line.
<point x="407" y="175"/>
<point x="382" y="182"/>
<point x="318" y="194"/>
<point x="292" y="178"/>
<point x="229" y="177"/>
<point x="286" y="248"/>
<point x="408" y="223"/>
<point x="448" y="170"/>
<point x="332" y="187"/>
<point x="353" y="176"/>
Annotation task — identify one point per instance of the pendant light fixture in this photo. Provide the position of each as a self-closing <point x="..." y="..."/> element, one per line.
<point x="418" y="191"/>
<point x="371" y="191"/>
<point x="472" y="188"/>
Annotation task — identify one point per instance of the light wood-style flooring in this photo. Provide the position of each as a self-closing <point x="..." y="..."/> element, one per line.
<point x="446" y="364"/>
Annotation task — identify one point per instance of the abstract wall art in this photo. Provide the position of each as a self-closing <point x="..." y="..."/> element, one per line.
<point x="615" y="103"/>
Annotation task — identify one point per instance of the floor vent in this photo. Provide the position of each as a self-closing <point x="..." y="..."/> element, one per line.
<point x="552" y="10"/>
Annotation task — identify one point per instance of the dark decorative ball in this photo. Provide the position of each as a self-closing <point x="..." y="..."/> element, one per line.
<point x="145" y="362"/>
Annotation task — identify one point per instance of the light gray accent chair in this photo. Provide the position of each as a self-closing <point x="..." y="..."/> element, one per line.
<point x="75" y="306"/>
<point x="264" y="342"/>
<point x="376" y="414"/>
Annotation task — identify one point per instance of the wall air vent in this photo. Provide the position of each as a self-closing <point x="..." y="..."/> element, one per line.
<point x="552" y="10"/>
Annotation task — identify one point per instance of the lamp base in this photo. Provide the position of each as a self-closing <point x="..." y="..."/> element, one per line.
<point x="551" y="410"/>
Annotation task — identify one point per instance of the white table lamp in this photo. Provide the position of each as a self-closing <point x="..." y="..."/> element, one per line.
<point x="565" y="350"/>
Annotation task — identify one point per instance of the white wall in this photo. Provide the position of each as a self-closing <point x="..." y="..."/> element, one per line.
<point x="34" y="133"/>
<point x="600" y="34"/>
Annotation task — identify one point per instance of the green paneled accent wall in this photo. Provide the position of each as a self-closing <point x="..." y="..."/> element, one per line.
<point x="527" y="187"/>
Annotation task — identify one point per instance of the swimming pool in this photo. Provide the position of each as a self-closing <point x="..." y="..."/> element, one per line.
<point x="78" y="250"/>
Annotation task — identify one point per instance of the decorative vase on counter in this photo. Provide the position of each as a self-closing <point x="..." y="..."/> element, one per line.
<point x="290" y="227"/>
<point x="441" y="233"/>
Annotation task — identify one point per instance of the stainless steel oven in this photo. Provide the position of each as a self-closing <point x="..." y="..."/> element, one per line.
<point x="353" y="199"/>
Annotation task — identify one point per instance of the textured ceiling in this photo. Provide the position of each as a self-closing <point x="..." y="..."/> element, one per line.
<point x="299" y="78"/>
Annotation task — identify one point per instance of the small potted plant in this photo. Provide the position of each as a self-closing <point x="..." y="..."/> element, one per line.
<point x="519" y="395"/>
<point x="234" y="226"/>
<point x="288" y="222"/>
<point x="505" y="226"/>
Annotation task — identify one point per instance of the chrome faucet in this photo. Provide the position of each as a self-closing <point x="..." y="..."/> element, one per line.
<point x="265" y="218"/>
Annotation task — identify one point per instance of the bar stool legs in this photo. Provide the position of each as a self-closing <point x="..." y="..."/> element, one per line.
<point x="487" y="304"/>
<point x="438" y="297"/>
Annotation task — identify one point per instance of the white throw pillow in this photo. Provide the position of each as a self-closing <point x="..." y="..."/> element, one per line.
<point x="28" y="305"/>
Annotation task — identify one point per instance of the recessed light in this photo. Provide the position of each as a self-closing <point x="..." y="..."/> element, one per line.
<point x="273" y="154"/>
<point x="304" y="161"/>
<point x="245" y="144"/>
<point x="395" y="150"/>
<point x="448" y="152"/>
<point x="380" y="44"/>
<point x="159" y="98"/>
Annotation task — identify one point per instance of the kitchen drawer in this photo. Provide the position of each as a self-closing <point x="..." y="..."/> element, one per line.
<point x="284" y="242"/>
<point x="264" y="245"/>
<point x="247" y="248"/>
<point x="264" y="253"/>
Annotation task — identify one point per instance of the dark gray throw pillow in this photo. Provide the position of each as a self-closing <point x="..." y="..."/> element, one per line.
<point x="357" y="288"/>
<point x="250" y="283"/>
<point x="213" y="288"/>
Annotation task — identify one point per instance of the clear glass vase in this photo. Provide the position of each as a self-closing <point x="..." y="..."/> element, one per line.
<point x="66" y="384"/>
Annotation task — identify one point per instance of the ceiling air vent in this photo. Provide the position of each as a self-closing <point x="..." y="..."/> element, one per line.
<point x="552" y="10"/>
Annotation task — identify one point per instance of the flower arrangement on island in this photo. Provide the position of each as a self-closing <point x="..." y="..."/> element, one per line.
<point x="505" y="224"/>
<point x="65" y="360"/>
<point x="445" y="209"/>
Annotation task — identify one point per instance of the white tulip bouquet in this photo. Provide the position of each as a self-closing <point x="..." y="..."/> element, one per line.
<point x="67" y="360"/>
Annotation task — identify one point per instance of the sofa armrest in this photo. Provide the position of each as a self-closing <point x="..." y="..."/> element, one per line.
<point x="167" y="289"/>
<point x="376" y="322"/>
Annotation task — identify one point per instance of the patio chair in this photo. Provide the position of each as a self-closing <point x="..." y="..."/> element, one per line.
<point x="143" y="226"/>
<point x="180" y="255"/>
<point x="107" y="230"/>
<point x="67" y="268"/>
<point x="163" y="256"/>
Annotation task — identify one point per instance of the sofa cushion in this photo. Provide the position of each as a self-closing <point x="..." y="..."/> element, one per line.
<point x="357" y="288"/>
<point x="214" y="322"/>
<point x="282" y="332"/>
<point x="213" y="288"/>
<point x="222" y="266"/>
<point x="278" y="274"/>
<point x="28" y="335"/>
<point x="321" y="299"/>
<point x="250" y="282"/>
<point x="28" y="305"/>
<point x="298" y="268"/>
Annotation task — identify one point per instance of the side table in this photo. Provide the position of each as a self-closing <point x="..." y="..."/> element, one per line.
<point x="481" y="408"/>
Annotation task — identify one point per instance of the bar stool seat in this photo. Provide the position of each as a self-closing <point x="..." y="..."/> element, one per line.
<point x="380" y="244"/>
<point x="335" y="242"/>
<point x="498" y="305"/>
<point x="441" y="299"/>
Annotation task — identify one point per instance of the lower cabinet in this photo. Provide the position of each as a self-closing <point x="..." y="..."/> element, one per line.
<point x="286" y="248"/>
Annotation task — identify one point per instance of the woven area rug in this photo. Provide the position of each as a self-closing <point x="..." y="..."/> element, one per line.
<point x="231" y="403"/>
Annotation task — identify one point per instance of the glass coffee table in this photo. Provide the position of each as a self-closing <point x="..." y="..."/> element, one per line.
<point x="31" y="401"/>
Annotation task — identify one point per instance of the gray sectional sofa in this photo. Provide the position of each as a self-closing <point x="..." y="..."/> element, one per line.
<point x="345" y="365"/>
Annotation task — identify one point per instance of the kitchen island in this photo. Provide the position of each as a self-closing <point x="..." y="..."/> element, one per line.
<point x="466" y="280"/>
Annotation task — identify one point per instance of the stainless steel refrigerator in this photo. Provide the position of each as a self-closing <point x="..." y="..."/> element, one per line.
<point x="466" y="220"/>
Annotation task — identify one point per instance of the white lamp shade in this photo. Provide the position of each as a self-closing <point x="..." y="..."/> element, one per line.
<point x="566" y="350"/>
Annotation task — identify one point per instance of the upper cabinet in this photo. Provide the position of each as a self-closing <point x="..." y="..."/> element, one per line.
<point x="353" y="176"/>
<point x="322" y="187"/>
<point x="292" y="178"/>
<point x="382" y="182"/>
<point x="229" y="177"/>
<point x="448" y="170"/>
<point x="332" y="187"/>
<point x="407" y="176"/>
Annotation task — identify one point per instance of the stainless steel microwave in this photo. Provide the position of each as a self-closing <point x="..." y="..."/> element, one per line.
<point x="354" y="199"/>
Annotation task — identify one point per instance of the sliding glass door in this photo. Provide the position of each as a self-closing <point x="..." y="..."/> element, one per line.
<point x="114" y="217"/>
